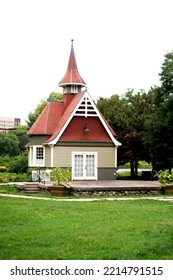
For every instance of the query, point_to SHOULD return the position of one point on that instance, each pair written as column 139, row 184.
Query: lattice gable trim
column 86, row 108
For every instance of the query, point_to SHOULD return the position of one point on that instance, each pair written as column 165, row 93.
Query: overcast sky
column 119, row 44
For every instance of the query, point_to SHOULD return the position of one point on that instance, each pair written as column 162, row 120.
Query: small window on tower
column 74, row 89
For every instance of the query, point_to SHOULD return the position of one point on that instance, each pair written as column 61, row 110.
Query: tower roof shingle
column 72, row 76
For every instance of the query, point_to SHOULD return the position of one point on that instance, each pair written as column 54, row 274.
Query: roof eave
column 72, row 83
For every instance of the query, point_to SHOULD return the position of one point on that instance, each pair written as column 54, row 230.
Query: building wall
column 107, row 173
column 106, row 155
column 8, row 124
column 61, row 156
column 38, row 140
column 47, row 156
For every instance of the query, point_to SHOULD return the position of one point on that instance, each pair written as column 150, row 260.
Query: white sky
column 118, row 44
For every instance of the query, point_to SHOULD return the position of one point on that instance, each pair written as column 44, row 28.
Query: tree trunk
column 132, row 171
column 136, row 168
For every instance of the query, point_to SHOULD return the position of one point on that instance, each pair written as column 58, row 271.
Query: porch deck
column 114, row 187
column 103, row 187
column 115, row 184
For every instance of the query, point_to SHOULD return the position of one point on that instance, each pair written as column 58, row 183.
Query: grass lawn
column 32, row 229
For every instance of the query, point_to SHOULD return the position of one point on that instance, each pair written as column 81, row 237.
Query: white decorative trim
column 51, row 155
column 116, row 157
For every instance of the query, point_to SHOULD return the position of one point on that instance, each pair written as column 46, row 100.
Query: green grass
column 141, row 164
column 32, row 229
column 9, row 189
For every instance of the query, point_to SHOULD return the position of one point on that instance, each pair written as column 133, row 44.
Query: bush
column 20, row 163
column 5, row 160
column 61, row 176
column 3, row 168
column 165, row 177
column 4, row 179
column 14, row 178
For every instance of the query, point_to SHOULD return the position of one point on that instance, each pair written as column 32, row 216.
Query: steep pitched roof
column 72, row 75
column 61, row 125
column 47, row 120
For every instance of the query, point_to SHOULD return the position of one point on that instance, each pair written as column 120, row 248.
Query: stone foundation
column 116, row 193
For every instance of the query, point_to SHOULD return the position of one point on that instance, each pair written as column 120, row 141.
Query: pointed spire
column 72, row 76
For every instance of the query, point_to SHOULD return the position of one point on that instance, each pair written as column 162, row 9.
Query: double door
column 84, row 166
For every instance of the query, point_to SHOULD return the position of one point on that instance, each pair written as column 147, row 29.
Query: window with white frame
column 36, row 156
column 39, row 156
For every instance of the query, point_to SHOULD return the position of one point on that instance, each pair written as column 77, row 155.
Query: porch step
column 31, row 188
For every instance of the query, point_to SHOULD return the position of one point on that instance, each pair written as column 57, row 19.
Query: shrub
column 5, row 160
column 61, row 176
column 20, row 163
column 4, row 179
column 14, row 178
column 165, row 177
column 18, row 177
column 3, row 168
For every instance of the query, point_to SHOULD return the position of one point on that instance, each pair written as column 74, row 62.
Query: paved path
column 169, row 199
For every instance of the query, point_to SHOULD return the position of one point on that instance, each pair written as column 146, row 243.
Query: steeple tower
column 72, row 81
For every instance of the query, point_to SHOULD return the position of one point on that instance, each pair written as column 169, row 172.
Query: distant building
column 8, row 124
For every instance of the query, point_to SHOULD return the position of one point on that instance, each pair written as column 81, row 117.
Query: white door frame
column 84, row 155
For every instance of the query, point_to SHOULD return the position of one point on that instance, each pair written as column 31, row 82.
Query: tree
column 127, row 116
column 166, row 75
column 114, row 111
column 9, row 145
column 53, row 96
column 23, row 138
column 159, row 134
column 139, row 107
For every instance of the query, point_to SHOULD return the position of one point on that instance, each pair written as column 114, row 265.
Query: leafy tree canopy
column 23, row 138
column 159, row 136
column 9, row 145
column 166, row 74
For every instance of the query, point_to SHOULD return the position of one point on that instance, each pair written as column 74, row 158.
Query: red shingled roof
column 72, row 75
column 67, row 113
column 56, row 115
column 48, row 119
